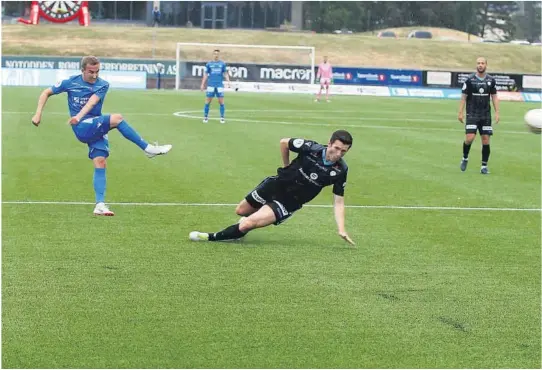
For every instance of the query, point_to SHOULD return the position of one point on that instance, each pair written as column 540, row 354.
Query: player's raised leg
column 118, row 122
column 327, row 91
column 265, row 216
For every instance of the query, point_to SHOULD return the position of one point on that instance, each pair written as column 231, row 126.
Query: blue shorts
column 99, row 148
column 93, row 132
column 214, row 91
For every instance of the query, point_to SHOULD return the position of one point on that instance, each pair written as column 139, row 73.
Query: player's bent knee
column 116, row 118
column 240, row 210
column 244, row 209
column 99, row 162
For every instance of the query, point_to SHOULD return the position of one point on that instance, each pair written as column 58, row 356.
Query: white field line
column 196, row 114
column 180, row 204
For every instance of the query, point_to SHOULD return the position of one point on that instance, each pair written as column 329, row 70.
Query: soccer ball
column 533, row 120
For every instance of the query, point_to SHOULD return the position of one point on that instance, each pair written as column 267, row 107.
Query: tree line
column 514, row 20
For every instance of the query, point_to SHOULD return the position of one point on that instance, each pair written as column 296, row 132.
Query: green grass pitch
column 445, row 274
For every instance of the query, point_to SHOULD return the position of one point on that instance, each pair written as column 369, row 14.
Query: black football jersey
column 479, row 93
column 308, row 174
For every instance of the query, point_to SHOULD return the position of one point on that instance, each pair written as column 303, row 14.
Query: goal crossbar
column 247, row 46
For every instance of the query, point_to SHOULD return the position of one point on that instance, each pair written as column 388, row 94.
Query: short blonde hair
column 89, row 60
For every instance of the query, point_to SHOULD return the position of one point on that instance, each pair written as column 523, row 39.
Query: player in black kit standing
column 276, row 198
column 476, row 92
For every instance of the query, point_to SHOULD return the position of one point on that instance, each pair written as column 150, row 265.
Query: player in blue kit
column 215, row 72
column 86, row 94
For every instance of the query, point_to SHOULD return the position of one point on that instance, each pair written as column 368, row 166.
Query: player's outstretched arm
column 94, row 99
column 45, row 94
column 338, row 207
column 285, row 151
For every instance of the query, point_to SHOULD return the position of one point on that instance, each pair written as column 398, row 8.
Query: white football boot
column 196, row 236
column 102, row 210
column 153, row 150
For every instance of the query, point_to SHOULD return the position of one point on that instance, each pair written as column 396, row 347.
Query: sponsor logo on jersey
column 310, row 178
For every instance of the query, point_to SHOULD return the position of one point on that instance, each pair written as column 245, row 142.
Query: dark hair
column 216, row 50
column 343, row 136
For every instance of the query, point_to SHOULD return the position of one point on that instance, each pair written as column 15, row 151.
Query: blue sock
column 206, row 110
column 128, row 132
column 99, row 184
column 222, row 109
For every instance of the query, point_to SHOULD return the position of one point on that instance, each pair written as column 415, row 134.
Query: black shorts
column 268, row 192
column 481, row 125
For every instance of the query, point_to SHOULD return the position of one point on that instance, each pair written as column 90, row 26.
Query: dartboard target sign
column 59, row 12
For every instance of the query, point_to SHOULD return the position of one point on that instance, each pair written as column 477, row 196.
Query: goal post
column 246, row 64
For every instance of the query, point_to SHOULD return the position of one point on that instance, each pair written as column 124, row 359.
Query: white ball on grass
column 533, row 120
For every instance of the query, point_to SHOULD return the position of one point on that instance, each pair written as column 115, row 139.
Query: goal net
column 250, row 67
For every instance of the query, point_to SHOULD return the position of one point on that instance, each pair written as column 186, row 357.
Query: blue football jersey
column 79, row 92
column 215, row 71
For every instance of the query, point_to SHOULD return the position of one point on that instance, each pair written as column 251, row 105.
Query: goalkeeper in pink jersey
column 325, row 75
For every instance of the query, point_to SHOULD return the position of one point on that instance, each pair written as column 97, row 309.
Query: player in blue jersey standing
column 86, row 94
column 215, row 72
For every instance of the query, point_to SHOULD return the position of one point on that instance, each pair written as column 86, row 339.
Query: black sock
column 229, row 233
column 466, row 150
column 485, row 154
